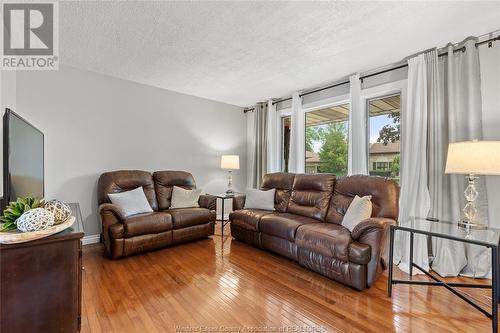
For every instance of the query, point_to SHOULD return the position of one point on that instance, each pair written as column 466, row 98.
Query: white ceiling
column 244, row 52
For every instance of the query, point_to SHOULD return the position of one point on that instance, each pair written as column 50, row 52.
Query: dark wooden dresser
column 41, row 282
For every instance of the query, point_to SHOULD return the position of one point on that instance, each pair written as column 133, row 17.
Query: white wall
column 95, row 123
column 490, row 93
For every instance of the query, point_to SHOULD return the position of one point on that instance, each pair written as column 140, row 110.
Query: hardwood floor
column 223, row 286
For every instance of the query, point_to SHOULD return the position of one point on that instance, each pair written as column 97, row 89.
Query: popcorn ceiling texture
column 243, row 52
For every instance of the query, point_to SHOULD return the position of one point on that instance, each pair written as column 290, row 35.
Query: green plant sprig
column 15, row 209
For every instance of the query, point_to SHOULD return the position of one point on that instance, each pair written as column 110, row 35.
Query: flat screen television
column 23, row 162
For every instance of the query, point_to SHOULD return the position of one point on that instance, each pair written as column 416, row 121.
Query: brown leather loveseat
column 306, row 225
column 124, row 236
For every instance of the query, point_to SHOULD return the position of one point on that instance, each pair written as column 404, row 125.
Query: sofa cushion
column 359, row 210
column 258, row 199
column 384, row 192
column 148, row 223
column 165, row 181
column 248, row 218
column 131, row 202
column 282, row 182
column 187, row 217
column 283, row 225
column 328, row 239
column 311, row 195
column 126, row 180
column 182, row 198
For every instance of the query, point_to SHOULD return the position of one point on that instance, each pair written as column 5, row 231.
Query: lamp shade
column 474, row 157
column 230, row 162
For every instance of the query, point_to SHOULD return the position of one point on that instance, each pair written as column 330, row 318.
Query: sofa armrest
column 239, row 202
column 208, row 201
column 374, row 232
column 114, row 209
column 112, row 225
column 373, row 224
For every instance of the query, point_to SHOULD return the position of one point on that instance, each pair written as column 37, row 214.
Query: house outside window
column 384, row 126
column 326, row 140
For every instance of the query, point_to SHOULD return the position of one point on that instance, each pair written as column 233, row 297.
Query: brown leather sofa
column 306, row 225
column 125, row 236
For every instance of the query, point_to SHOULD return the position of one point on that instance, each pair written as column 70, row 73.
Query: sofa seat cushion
column 328, row 239
column 283, row 225
column 248, row 218
column 147, row 223
column 188, row 217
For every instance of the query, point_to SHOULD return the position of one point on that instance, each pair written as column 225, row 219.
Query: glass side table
column 488, row 238
column 223, row 197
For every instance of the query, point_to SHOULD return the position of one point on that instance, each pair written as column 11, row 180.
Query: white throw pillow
column 360, row 209
column 257, row 199
column 131, row 202
column 182, row 198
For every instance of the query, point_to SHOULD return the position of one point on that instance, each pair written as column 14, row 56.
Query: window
column 326, row 140
column 286, row 123
column 384, row 136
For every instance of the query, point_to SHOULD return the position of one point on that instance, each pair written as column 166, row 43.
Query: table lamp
column 473, row 158
column 230, row 162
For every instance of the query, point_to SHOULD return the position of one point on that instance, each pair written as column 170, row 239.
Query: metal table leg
column 391, row 254
column 494, row 288
column 222, row 220
column 411, row 256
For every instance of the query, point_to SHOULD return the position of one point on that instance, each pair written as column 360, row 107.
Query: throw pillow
column 131, row 202
column 182, row 198
column 360, row 209
column 258, row 199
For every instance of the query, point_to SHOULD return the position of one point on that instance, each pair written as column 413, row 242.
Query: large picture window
column 384, row 136
column 326, row 140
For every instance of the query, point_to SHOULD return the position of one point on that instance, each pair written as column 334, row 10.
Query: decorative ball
column 35, row 219
column 60, row 210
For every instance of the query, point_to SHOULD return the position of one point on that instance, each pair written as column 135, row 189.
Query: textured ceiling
column 243, row 52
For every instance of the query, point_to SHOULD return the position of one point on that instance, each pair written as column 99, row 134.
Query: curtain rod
column 462, row 49
column 488, row 41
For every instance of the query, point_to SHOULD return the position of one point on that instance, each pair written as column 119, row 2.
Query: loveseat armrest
column 374, row 232
column 112, row 218
column 114, row 209
column 239, row 202
column 208, row 201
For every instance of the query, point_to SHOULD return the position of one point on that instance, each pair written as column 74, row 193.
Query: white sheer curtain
column 297, row 136
column 414, row 198
column 259, row 154
column 272, row 139
column 357, row 155
column 460, row 119
column 444, row 105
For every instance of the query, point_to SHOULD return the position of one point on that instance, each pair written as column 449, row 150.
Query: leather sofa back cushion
column 166, row 180
column 384, row 192
column 126, row 180
column 282, row 182
column 311, row 195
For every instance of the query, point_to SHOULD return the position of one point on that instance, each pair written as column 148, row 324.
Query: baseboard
column 91, row 239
